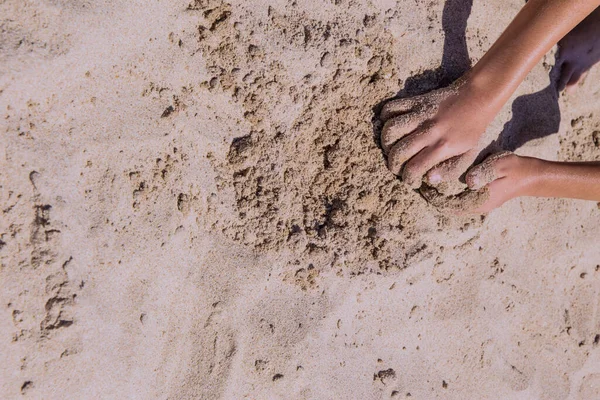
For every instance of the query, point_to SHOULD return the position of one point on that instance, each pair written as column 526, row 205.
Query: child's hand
column 433, row 135
column 504, row 176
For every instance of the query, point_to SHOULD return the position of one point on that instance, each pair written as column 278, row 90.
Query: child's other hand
column 505, row 176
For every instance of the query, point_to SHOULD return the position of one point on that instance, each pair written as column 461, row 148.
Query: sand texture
column 195, row 205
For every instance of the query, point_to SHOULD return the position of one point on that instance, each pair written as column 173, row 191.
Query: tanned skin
column 526, row 176
column 433, row 137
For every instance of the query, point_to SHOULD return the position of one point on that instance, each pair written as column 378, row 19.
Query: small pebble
column 326, row 60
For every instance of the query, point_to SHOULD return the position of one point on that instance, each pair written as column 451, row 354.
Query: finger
column 398, row 127
column 451, row 169
column 480, row 203
column 395, row 107
column 566, row 71
column 493, row 197
column 466, row 202
column 475, row 202
column 486, row 172
column 422, row 162
column 404, row 150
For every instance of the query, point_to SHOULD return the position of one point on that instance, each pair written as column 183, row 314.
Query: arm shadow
column 534, row 116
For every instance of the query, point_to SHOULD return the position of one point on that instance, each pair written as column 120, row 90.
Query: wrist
column 535, row 176
column 488, row 92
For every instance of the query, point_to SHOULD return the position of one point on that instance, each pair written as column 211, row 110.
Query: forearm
column 576, row 180
column 537, row 27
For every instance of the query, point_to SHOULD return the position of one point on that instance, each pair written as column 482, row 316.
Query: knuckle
column 504, row 164
column 395, row 154
column 443, row 145
column 432, row 127
column 500, row 168
column 411, row 172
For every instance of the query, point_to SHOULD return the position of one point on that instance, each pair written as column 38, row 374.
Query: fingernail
column 474, row 182
column 434, row 178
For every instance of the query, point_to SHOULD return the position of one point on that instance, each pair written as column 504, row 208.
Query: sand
column 195, row 206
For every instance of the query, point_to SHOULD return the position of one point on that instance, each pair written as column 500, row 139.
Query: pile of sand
column 195, row 205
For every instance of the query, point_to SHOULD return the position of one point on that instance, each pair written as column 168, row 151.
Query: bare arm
column 537, row 27
column 438, row 131
column 575, row 180
column 513, row 176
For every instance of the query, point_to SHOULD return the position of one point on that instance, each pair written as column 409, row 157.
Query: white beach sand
column 193, row 206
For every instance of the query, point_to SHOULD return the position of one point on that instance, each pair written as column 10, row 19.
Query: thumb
column 486, row 172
